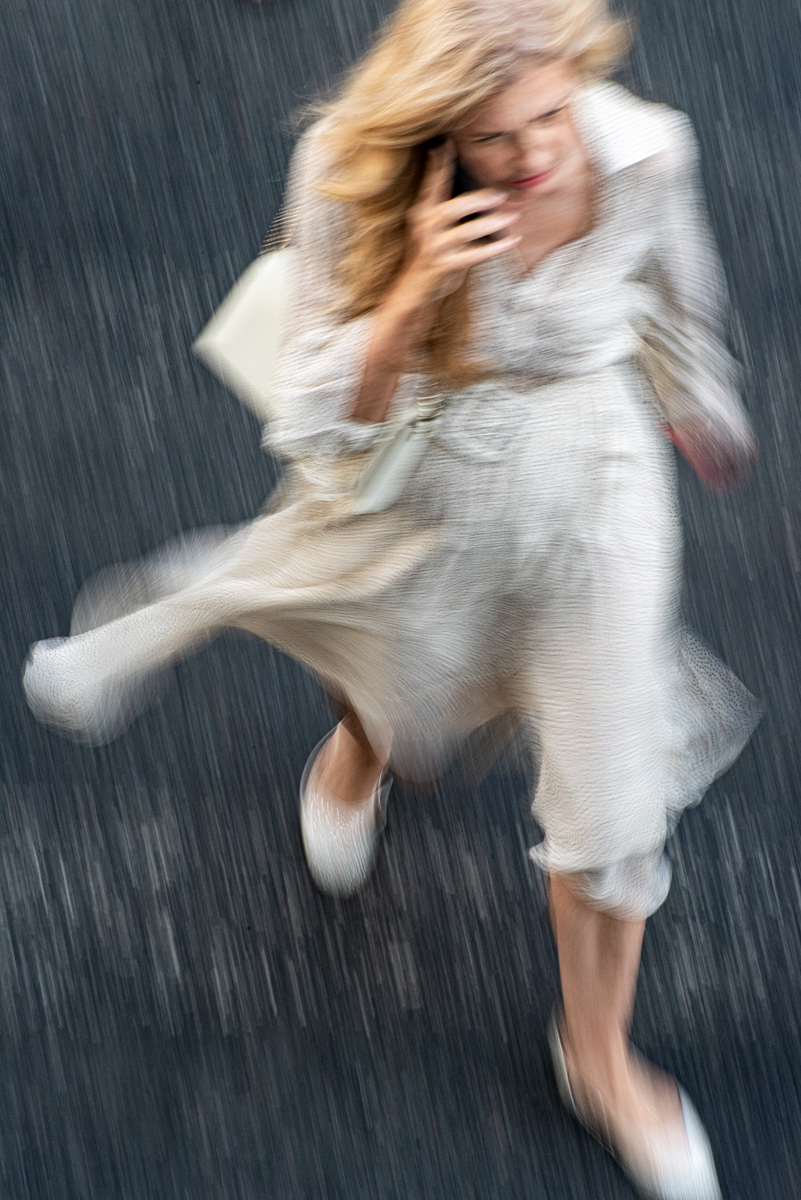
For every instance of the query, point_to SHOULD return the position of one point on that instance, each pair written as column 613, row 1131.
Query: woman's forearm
column 401, row 327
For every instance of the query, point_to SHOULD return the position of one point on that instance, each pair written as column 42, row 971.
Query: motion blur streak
column 181, row 1014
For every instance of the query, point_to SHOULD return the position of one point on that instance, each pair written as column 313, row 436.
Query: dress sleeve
column 323, row 359
column 695, row 379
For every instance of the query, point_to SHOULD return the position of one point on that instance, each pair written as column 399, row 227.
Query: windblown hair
column 435, row 63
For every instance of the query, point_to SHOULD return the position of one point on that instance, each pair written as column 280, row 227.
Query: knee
column 629, row 890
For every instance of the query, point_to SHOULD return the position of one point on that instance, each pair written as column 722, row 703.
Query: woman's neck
column 552, row 220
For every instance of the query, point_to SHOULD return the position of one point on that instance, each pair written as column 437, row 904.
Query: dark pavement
column 182, row 1016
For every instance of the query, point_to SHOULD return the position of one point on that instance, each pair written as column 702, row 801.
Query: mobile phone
column 463, row 182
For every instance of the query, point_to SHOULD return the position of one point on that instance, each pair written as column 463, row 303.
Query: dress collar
column 619, row 128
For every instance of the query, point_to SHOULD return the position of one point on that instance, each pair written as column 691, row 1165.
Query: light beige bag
column 241, row 345
column 242, row 342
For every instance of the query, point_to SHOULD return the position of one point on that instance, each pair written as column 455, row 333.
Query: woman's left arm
column 692, row 372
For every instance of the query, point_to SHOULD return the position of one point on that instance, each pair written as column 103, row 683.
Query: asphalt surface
column 181, row 1015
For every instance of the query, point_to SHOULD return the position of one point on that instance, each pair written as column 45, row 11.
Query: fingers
column 466, row 205
column 721, row 461
column 481, row 227
column 728, row 471
column 464, row 259
column 442, row 242
column 445, row 225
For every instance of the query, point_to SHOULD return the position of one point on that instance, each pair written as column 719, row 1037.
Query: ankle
column 349, row 772
column 595, row 1049
column 622, row 1089
column 357, row 752
column 601, row 1065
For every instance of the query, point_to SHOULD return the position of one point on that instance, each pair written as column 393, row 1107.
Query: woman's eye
column 490, row 137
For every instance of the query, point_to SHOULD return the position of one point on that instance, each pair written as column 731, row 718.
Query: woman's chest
column 579, row 290
column 546, row 228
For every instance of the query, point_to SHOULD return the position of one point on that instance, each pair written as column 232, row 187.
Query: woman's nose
column 529, row 146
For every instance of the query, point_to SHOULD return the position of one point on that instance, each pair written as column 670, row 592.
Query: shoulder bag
column 241, row 345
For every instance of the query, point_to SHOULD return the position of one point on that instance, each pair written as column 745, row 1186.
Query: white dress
column 532, row 566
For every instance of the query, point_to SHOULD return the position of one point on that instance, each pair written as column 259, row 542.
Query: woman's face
column 525, row 139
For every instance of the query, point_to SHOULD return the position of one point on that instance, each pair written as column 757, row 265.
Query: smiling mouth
column 532, row 180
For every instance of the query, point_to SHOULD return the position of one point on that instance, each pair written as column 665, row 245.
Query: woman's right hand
column 441, row 249
column 440, row 253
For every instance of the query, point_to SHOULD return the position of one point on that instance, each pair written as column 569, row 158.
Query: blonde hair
column 434, row 64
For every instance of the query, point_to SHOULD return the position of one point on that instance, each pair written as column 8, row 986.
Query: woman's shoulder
column 305, row 203
column 626, row 130
column 312, row 158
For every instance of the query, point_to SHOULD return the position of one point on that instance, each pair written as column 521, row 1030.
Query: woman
column 562, row 311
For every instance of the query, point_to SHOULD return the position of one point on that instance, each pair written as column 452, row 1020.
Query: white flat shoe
column 340, row 841
column 670, row 1162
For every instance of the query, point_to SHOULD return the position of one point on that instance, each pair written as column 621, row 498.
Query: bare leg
column 599, row 958
column 350, row 770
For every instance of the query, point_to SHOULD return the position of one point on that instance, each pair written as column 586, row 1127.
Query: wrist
column 409, row 297
column 404, row 320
